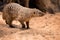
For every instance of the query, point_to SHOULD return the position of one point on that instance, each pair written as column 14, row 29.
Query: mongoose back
column 14, row 11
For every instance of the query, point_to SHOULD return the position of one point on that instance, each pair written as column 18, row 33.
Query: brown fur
column 14, row 11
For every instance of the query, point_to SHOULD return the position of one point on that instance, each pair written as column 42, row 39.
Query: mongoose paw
column 11, row 26
column 27, row 28
column 23, row 26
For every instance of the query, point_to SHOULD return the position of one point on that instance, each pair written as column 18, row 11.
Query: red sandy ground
column 46, row 27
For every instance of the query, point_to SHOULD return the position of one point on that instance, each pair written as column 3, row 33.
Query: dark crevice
column 32, row 4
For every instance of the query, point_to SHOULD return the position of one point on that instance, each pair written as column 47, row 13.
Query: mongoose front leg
column 9, row 22
column 27, row 23
column 23, row 25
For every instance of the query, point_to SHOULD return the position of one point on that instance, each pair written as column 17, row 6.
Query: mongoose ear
column 34, row 12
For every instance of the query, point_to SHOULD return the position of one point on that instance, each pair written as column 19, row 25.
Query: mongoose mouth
column 42, row 15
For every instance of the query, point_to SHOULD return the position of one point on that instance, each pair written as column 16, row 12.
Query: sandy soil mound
column 46, row 27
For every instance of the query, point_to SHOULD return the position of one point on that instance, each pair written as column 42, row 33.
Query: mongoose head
column 37, row 13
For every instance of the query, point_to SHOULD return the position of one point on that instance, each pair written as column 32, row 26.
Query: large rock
column 44, row 5
column 52, row 5
column 48, row 5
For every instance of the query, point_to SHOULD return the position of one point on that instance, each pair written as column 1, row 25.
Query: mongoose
column 14, row 11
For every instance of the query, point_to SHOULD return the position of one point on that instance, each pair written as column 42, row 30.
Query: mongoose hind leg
column 27, row 23
column 23, row 25
column 9, row 22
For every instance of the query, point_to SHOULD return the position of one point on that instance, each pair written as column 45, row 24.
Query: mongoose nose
column 42, row 14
